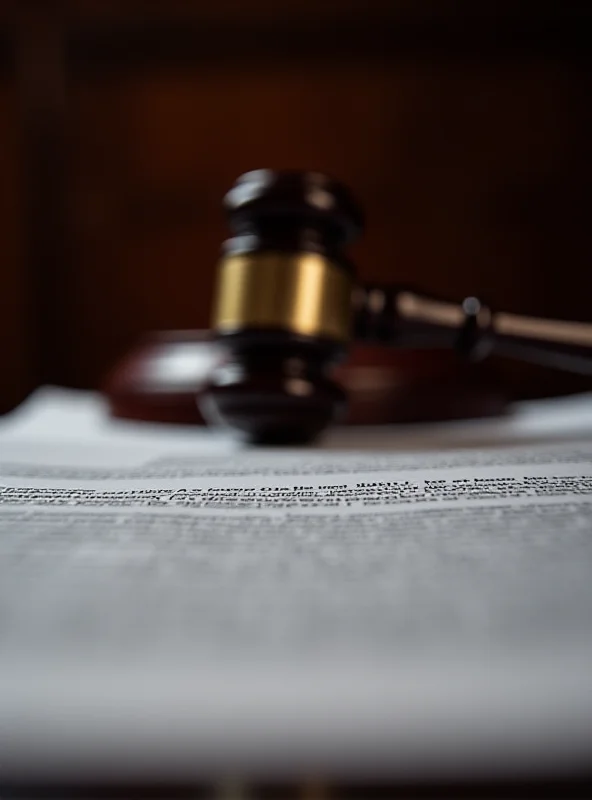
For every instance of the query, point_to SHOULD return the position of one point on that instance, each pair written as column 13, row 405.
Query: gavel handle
column 405, row 318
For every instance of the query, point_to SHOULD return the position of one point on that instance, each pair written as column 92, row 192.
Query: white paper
column 62, row 415
column 168, row 612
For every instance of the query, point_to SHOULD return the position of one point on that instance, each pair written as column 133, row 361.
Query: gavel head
column 283, row 306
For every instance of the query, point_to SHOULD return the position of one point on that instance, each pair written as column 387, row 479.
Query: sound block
column 160, row 379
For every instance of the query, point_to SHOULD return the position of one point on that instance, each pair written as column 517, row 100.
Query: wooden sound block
column 160, row 379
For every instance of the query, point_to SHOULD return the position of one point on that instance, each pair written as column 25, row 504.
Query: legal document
column 172, row 603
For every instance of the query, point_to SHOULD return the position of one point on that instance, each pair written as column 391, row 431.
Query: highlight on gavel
column 288, row 305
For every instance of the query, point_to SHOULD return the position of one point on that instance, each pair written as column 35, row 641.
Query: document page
column 267, row 595
column 173, row 605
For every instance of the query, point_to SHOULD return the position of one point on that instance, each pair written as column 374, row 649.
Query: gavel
column 287, row 306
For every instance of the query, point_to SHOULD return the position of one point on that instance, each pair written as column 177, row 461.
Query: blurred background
column 464, row 128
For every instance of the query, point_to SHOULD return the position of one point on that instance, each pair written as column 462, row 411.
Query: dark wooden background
column 464, row 128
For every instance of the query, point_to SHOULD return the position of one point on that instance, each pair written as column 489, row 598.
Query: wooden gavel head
column 283, row 306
